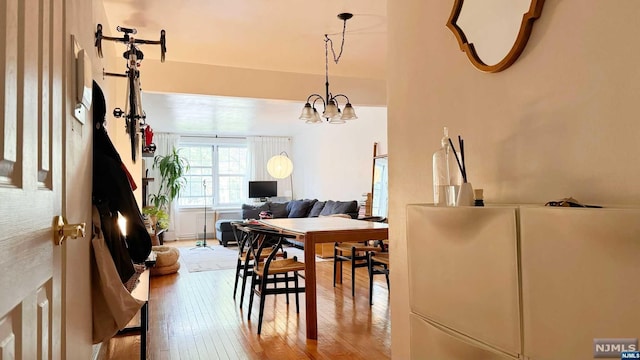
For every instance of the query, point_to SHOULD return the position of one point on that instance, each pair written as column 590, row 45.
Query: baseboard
column 196, row 236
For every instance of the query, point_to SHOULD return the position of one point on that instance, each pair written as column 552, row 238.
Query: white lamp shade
column 307, row 112
column 331, row 111
column 279, row 166
column 316, row 118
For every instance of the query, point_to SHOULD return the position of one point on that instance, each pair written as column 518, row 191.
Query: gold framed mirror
column 493, row 33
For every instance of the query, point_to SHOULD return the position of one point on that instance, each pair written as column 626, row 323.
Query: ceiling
column 274, row 35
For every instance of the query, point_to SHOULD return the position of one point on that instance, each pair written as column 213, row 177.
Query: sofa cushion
column 300, row 208
column 252, row 211
column 340, row 207
column 279, row 210
column 316, row 209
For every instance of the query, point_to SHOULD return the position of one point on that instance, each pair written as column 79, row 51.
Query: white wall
column 335, row 162
column 562, row 121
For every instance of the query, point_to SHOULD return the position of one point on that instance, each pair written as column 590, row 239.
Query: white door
column 31, row 159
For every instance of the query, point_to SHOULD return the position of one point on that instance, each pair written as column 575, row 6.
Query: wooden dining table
column 316, row 230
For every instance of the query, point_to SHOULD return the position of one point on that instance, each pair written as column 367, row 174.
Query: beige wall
column 189, row 78
column 80, row 18
column 560, row 122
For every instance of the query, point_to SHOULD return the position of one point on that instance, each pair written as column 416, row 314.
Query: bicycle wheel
column 132, row 125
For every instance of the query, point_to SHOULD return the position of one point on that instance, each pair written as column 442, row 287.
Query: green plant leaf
column 172, row 168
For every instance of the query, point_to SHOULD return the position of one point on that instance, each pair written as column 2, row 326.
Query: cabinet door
column 430, row 341
column 463, row 271
column 580, row 274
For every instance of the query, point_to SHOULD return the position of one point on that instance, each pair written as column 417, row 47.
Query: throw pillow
column 253, row 211
column 328, row 208
column 300, row 208
column 316, row 209
column 346, row 207
column 279, row 210
column 340, row 207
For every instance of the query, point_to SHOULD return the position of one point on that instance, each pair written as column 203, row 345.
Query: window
column 217, row 177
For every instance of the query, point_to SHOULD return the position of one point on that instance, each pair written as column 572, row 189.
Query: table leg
column 144, row 326
column 310, row 287
column 338, row 274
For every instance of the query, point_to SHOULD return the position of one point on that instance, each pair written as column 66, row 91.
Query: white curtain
column 261, row 149
column 164, row 146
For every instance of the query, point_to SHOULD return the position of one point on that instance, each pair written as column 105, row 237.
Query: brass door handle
column 63, row 230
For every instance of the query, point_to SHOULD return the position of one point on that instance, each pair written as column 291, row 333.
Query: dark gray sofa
column 290, row 209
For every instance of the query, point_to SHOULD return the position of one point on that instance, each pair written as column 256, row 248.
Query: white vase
column 465, row 195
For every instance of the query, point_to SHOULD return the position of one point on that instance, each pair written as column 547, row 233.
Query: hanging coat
column 113, row 193
column 113, row 306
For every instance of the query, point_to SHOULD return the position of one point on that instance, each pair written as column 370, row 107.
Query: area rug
column 197, row 259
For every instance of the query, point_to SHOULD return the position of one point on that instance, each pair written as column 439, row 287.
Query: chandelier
column 331, row 107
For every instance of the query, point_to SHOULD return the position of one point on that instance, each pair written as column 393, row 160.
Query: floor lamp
column 280, row 166
column 204, row 241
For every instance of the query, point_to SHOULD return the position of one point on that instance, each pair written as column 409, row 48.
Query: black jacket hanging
column 112, row 193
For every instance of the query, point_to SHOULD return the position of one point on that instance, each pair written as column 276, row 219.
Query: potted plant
column 172, row 168
column 159, row 217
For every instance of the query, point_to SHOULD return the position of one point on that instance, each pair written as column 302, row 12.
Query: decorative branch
column 457, row 160
column 464, row 165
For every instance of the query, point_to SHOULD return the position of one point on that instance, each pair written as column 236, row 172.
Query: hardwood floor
column 193, row 316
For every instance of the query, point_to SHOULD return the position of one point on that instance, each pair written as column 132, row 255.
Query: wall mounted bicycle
column 133, row 113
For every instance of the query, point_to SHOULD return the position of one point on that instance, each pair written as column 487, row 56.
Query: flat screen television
column 263, row 189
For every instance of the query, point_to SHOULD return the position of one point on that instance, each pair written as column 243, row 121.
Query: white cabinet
column 463, row 271
column 580, row 276
column 532, row 282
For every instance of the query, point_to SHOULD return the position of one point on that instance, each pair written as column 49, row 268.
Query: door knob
column 63, row 230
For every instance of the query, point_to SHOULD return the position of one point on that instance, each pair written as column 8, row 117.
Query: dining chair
column 354, row 253
column 378, row 263
column 245, row 238
column 266, row 272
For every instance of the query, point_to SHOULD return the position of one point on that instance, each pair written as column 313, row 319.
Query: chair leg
column 295, row 281
column 245, row 273
column 335, row 263
column 370, row 268
column 263, row 288
column 353, row 272
column 235, row 284
column 253, row 283
column 386, row 274
column 286, row 285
